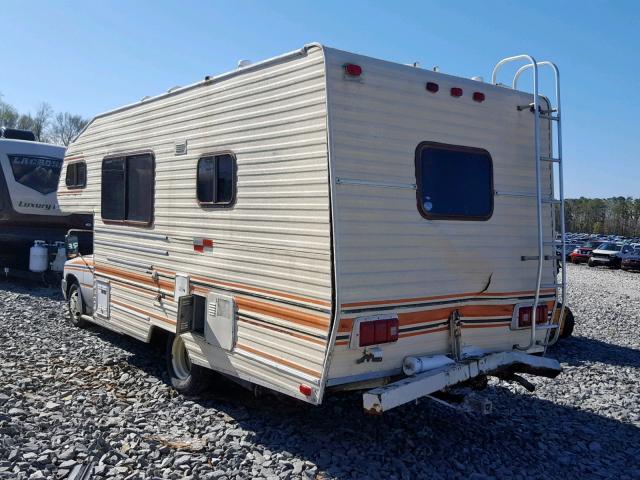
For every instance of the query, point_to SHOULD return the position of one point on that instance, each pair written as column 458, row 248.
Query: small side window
column 76, row 175
column 216, row 180
column 454, row 182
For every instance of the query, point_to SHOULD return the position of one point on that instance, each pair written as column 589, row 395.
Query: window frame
column 76, row 165
column 125, row 156
column 234, row 180
column 458, row 148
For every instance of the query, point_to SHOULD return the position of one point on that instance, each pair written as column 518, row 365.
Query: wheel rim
column 74, row 305
column 180, row 359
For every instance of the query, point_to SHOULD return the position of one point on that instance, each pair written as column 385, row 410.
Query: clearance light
column 478, row 96
column 378, row 331
column 432, row 87
column 353, row 70
column 305, row 390
column 525, row 315
column 456, row 92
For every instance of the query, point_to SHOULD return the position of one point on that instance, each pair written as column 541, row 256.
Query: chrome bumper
column 385, row 398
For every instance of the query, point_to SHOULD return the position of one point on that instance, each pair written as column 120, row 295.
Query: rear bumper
column 579, row 257
column 385, row 398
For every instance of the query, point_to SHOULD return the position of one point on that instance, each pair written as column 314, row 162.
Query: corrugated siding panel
column 385, row 249
column 274, row 242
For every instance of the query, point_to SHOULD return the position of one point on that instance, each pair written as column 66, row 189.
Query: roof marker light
column 478, row 96
column 352, row 69
column 456, row 92
column 432, row 87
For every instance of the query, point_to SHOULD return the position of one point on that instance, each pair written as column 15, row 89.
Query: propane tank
column 61, row 256
column 38, row 257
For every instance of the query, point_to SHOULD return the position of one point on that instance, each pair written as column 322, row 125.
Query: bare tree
column 66, row 127
column 41, row 121
column 8, row 115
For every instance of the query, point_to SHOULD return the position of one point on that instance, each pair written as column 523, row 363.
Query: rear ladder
column 553, row 115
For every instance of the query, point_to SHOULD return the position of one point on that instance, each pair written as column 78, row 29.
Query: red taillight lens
column 353, row 69
column 378, row 331
column 432, row 87
column 478, row 96
column 305, row 390
column 456, row 92
column 525, row 315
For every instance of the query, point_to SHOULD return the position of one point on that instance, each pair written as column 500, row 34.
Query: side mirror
column 78, row 243
column 72, row 246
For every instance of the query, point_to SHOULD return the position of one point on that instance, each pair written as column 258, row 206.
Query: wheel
column 566, row 329
column 590, row 263
column 74, row 302
column 185, row 377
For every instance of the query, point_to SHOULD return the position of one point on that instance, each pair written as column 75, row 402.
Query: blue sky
column 88, row 57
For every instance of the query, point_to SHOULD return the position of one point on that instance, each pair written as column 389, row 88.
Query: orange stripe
column 146, row 280
column 287, row 332
column 280, row 360
column 253, row 289
column 283, row 312
column 414, row 334
column 441, row 297
column 126, row 286
column 144, row 312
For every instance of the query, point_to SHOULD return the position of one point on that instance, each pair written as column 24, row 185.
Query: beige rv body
column 325, row 227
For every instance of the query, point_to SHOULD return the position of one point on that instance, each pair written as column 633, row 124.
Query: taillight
column 478, row 96
column 525, row 315
column 374, row 332
column 456, row 92
column 353, row 70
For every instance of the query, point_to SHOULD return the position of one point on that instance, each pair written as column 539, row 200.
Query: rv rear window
column 216, row 183
column 127, row 189
column 76, row 175
column 454, row 182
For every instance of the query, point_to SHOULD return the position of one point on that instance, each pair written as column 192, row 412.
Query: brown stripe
column 288, row 314
column 280, row 360
column 441, row 297
column 144, row 279
column 287, row 332
column 144, row 312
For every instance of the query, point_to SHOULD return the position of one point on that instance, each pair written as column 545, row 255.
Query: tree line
column 605, row 216
column 47, row 126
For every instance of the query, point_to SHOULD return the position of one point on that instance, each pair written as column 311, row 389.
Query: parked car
column 631, row 261
column 609, row 254
column 582, row 253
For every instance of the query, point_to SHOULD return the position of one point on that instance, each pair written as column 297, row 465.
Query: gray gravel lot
column 72, row 397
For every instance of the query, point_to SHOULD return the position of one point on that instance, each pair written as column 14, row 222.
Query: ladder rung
column 547, row 326
column 553, row 201
column 550, row 285
column 553, row 243
column 551, row 159
column 555, row 118
column 526, row 258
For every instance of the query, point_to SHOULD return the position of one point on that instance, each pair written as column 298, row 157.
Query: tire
column 590, row 263
column 75, row 306
column 186, row 378
column 568, row 323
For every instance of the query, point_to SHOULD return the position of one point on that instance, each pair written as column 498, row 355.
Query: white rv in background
column 32, row 227
column 324, row 220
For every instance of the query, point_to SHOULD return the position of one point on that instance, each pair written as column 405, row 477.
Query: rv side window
column 454, row 182
column 216, row 182
column 76, row 175
column 127, row 189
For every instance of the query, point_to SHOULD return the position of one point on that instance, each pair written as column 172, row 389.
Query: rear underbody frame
column 501, row 364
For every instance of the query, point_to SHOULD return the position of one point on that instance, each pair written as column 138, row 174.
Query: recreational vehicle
column 32, row 228
column 324, row 220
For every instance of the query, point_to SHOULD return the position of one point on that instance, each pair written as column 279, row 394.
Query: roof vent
column 243, row 63
column 477, row 78
column 17, row 134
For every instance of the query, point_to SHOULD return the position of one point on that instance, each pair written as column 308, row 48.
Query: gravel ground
column 72, row 397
